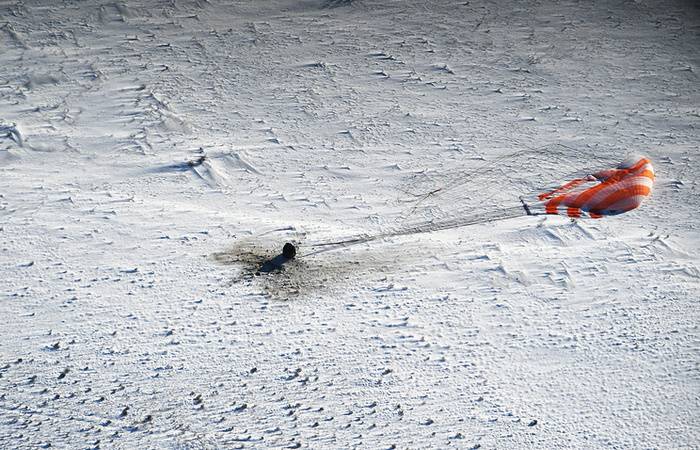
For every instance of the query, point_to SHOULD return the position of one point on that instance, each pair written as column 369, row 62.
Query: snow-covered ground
column 131, row 317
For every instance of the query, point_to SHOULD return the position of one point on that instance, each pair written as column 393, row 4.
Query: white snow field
column 154, row 153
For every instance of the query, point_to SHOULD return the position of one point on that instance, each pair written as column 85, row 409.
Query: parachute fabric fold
column 604, row 193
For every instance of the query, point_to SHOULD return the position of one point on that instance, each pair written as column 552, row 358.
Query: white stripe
column 626, row 204
column 623, row 184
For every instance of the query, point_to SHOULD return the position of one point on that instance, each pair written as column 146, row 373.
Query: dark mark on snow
column 291, row 274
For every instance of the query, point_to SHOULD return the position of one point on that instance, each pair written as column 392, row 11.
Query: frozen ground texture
column 128, row 318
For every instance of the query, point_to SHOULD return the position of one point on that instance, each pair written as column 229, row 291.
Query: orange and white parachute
column 604, row 193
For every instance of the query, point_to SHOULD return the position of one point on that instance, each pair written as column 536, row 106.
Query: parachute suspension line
column 417, row 228
column 463, row 178
column 457, row 186
column 487, row 193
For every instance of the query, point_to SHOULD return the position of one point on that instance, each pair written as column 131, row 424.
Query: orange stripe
column 637, row 189
column 638, row 165
column 649, row 174
column 571, row 184
column 581, row 199
column 573, row 212
column 552, row 206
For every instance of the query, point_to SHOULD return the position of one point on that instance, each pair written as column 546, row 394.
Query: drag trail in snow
column 155, row 155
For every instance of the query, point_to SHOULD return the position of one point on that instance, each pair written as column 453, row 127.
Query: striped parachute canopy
column 604, row 193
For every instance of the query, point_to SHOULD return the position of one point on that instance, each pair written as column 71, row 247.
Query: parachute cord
column 418, row 228
column 456, row 189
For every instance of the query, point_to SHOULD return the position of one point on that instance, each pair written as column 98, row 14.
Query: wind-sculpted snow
column 155, row 156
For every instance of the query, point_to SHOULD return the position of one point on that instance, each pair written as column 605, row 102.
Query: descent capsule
column 289, row 251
